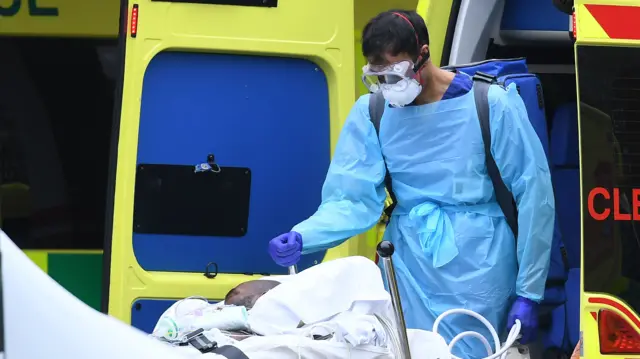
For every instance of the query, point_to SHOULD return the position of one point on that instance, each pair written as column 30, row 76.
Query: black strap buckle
column 230, row 352
column 198, row 340
column 484, row 77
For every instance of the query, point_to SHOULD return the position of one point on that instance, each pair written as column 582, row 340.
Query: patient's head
column 247, row 293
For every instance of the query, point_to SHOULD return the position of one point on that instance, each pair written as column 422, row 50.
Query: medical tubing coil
column 500, row 351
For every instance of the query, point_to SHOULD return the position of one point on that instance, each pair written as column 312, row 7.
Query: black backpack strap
column 376, row 109
column 481, row 84
column 230, row 352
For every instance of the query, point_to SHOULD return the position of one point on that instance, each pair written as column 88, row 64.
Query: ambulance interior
column 56, row 119
column 56, row 113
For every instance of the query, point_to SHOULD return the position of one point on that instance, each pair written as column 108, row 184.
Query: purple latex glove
column 286, row 249
column 526, row 311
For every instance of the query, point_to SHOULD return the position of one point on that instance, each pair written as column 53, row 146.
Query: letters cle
column 602, row 203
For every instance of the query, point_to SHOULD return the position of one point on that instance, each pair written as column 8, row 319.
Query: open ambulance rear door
column 608, row 78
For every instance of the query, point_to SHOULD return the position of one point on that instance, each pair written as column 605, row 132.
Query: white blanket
column 351, row 284
column 424, row 345
column 343, row 297
column 43, row 320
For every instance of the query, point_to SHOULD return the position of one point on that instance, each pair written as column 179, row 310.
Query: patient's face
column 247, row 293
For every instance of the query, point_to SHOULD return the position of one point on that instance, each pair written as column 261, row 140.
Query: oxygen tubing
column 500, row 350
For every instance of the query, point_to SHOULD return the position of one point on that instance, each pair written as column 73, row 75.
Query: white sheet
column 352, row 284
column 44, row 321
column 424, row 345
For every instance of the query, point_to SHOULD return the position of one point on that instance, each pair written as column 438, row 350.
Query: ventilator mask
column 399, row 82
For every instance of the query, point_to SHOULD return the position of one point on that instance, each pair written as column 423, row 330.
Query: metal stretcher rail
column 385, row 251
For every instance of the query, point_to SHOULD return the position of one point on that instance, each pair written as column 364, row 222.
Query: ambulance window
column 609, row 92
column 56, row 113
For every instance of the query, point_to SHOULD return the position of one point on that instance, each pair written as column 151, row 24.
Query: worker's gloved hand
column 286, row 249
column 526, row 311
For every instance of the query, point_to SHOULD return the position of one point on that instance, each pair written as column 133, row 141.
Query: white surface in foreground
column 44, row 321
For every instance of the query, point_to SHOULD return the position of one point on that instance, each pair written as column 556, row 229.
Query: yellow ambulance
column 237, row 85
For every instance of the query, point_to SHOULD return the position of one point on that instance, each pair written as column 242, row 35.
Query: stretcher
column 43, row 320
column 509, row 349
column 405, row 347
column 403, row 343
column 400, row 343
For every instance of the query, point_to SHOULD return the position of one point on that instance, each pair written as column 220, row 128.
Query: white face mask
column 402, row 92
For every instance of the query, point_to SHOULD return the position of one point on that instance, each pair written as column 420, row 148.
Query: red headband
column 410, row 24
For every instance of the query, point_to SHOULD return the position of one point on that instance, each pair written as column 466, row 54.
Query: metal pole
column 293, row 269
column 385, row 252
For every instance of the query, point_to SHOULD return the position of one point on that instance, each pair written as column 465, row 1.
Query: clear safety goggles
column 377, row 77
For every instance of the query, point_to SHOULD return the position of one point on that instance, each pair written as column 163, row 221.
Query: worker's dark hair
column 390, row 33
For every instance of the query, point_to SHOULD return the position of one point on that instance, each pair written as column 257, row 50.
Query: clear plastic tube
column 500, row 350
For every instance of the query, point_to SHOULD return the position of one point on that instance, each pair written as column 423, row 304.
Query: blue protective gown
column 454, row 248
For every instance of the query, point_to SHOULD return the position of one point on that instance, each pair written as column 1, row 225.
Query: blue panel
column 269, row 114
column 566, row 183
column 564, row 136
column 555, row 335
column 573, row 306
column 539, row 15
column 146, row 312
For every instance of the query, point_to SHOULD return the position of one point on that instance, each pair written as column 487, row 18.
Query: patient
column 246, row 294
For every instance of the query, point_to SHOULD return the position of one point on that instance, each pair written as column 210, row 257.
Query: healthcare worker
column 454, row 248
